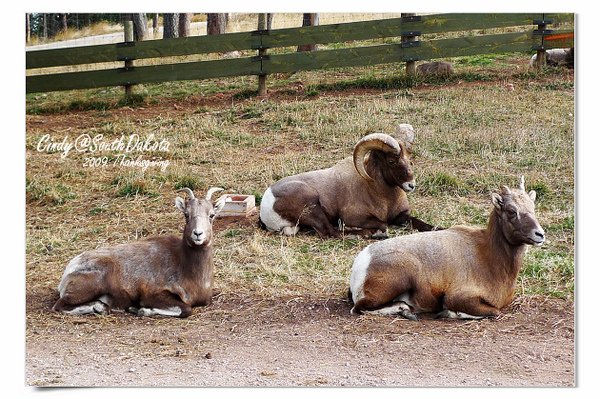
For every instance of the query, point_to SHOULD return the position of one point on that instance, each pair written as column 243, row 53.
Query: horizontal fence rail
column 535, row 36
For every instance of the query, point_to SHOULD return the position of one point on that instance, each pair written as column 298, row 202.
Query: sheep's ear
column 180, row 204
column 532, row 195
column 405, row 132
column 497, row 201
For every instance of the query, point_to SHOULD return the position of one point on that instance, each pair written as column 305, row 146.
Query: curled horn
column 522, row 183
column 189, row 192
column 211, row 191
column 505, row 190
column 374, row 141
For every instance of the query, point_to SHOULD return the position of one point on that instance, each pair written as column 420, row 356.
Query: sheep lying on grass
column 164, row 275
column 557, row 57
column 462, row 272
column 363, row 193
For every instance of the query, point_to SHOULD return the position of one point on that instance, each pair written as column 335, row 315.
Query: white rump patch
column 271, row 219
column 172, row 311
column 72, row 266
column 358, row 275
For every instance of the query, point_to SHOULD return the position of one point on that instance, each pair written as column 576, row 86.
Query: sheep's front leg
column 467, row 307
column 163, row 304
column 404, row 219
column 450, row 314
column 94, row 307
column 396, row 308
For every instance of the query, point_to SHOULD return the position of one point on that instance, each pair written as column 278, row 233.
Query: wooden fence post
column 128, row 63
column 540, row 59
column 262, row 52
column 411, row 66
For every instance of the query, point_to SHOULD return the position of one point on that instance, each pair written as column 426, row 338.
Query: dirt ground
column 300, row 342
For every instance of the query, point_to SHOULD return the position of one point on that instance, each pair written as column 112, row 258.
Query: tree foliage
column 48, row 25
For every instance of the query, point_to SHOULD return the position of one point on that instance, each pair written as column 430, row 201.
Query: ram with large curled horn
column 362, row 194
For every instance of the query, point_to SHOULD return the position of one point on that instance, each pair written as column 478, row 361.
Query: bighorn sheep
column 439, row 68
column 163, row 275
column 461, row 272
column 557, row 57
column 364, row 193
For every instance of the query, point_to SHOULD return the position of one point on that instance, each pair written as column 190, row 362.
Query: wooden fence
column 533, row 32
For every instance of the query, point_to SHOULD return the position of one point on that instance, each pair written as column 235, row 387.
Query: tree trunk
column 309, row 20
column 27, row 28
column 170, row 26
column 63, row 18
column 185, row 19
column 154, row 22
column 216, row 24
column 140, row 27
column 45, row 26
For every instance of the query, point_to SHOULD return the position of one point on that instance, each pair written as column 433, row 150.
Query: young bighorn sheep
column 364, row 193
column 164, row 275
column 462, row 272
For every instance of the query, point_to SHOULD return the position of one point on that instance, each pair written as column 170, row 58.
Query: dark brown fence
column 533, row 32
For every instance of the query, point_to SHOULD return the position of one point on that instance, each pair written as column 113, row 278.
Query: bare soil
column 247, row 342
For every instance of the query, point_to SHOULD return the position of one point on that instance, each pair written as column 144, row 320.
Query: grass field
column 473, row 135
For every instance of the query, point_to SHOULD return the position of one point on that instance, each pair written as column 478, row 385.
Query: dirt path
column 300, row 342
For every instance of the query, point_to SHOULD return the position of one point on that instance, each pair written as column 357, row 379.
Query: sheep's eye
column 512, row 213
column 211, row 216
column 391, row 161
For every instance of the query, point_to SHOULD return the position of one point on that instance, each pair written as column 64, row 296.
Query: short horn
column 522, row 183
column 189, row 192
column 373, row 142
column 211, row 191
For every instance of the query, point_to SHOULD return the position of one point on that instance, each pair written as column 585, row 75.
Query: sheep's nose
column 408, row 186
column 539, row 234
column 198, row 233
column 539, row 237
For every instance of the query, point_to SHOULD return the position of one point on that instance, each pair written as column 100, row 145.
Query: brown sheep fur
column 461, row 272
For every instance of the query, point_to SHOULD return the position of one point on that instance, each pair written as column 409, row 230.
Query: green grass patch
column 542, row 191
column 97, row 210
column 183, row 181
column 132, row 186
column 47, row 193
column 548, row 272
column 441, row 183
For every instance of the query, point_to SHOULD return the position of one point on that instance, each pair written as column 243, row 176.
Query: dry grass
column 98, row 28
column 471, row 138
